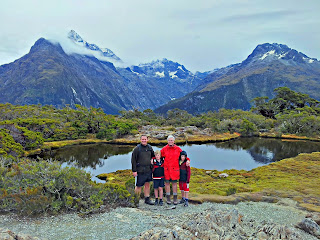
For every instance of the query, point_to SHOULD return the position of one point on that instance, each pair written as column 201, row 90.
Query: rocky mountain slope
column 170, row 79
column 48, row 75
column 269, row 66
column 77, row 39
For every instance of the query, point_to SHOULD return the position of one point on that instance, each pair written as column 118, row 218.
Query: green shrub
column 231, row 191
column 34, row 187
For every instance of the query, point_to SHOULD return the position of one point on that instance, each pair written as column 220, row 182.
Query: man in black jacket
column 142, row 168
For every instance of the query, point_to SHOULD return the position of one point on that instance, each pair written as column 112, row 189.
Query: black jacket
column 141, row 157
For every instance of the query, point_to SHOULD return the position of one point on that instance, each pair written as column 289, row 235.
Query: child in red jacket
column 158, row 177
column 184, row 178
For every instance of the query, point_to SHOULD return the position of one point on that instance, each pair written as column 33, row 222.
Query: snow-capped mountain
column 269, row 52
column 163, row 69
column 76, row 38
column 171, row 79
column 269, row 66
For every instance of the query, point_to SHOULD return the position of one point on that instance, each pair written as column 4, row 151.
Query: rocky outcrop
column 162, row 133
column 221, row 224
column 310, row 226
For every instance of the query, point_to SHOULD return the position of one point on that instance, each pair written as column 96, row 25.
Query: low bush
column 31, row 187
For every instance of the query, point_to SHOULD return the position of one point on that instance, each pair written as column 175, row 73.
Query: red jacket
column 171, row 156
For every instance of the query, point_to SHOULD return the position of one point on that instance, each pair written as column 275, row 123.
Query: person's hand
column 187, row 185
column 134, row 174
column 151, row 161
column 188, row 163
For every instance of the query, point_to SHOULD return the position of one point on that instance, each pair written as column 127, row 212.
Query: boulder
column 310, row 226
column 223, row 175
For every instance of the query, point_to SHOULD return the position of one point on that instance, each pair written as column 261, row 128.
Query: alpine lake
column 242, row 153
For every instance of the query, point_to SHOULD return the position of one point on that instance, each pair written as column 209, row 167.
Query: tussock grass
column 296, row 178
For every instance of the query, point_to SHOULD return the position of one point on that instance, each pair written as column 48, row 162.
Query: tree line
column 27, row 127
column 34, row 187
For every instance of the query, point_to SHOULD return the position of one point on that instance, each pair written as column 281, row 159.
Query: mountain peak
column 77, row 39
column 269, row 52
column 44, row 44
column 75, row 36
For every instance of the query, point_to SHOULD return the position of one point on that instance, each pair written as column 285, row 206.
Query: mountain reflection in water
column 267, row 150
column 243, row 153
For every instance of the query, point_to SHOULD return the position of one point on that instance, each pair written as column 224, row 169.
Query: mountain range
column 269, row 66
column 49, row 74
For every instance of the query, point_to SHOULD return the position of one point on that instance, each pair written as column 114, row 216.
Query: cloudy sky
column 202, row 35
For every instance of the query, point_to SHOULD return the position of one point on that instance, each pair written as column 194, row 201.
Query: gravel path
column 124, row 223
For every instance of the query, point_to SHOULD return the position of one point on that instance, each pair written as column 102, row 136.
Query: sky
column 201, row 35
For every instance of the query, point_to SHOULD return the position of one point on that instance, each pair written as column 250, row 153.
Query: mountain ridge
column 48, row 75
column 269, row 66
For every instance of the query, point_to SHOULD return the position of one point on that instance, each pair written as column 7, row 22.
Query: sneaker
column 156, row 202
column 186, row 204
column 181, row 201
column 169, row 200
column 160, row 202
column 147, row 201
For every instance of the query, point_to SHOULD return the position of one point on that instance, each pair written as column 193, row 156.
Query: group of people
column 169, row 165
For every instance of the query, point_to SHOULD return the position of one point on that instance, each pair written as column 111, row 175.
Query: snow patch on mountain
column 180, row 67
column 267, row 54
column 173, row 74
column 279, row 51
column 159, row 74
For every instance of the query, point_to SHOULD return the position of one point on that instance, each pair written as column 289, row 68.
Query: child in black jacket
column 158, row 178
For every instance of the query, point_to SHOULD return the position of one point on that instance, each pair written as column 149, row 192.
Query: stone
column 223, row 175
column 310, row 226
column 262, row 236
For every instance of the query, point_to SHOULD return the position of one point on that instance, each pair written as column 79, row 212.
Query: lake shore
column 158, row 135
column 296, row 178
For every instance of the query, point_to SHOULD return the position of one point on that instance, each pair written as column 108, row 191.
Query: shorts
column 171, row 181
column 184, row 186
column 171, row 174
column 158, row 183
column 142, row 178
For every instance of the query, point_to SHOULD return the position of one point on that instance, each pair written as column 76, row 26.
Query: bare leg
column 182, row 194
column 167, row 187
column 174, row 187
column 160, row 192
column 186, row 195
column 156, row 192
column 147, row 189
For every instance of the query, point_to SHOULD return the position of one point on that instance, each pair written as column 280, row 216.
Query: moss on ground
column 289, row 136
column 296, row 178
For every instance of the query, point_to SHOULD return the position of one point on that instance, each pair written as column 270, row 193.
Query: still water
column 243, row 153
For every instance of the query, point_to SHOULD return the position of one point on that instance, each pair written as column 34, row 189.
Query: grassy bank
column 296, row 178
column 289, row 136
column 134, row 140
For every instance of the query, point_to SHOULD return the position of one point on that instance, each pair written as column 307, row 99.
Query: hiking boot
column 186, row 203
column 169, row 200
column 181, row 201
column 160, row 202
column 175, row 199
column 147, row 201
column 156, row 202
